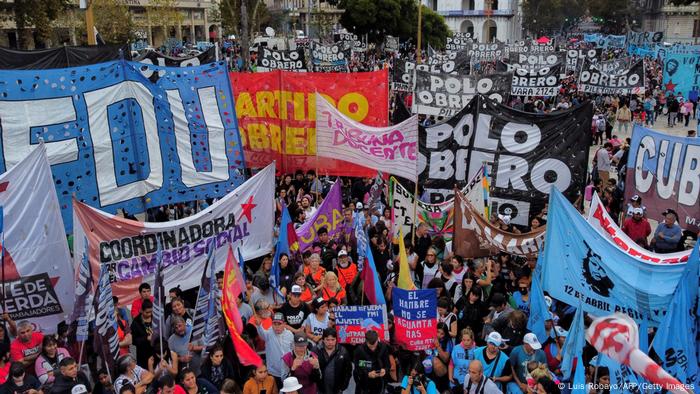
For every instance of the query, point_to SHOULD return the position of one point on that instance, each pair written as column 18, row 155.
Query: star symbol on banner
column 247, row 210
column 670, row 86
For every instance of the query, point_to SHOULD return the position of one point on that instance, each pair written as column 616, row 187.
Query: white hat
column 290, row 384
column 79, row 389
column 342, row 253
column 531, row 339
column 505, row 219
column 359, row 205
column 638, row 210
column 560, row 331
column 496, row 339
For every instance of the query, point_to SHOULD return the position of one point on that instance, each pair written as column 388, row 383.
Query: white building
column 487, row 20
column 679, row 24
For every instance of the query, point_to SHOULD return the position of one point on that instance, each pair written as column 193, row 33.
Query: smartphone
column 263, row 391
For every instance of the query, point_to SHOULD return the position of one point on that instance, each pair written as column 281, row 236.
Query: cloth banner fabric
column 580, row 265
column 540, row 82
column 128, row 249
column 446, row 94
column 415, row 318
column 61, row 57
column 330, row 215
column 600, row 220
column 391, row 44
column 681, row 74
column 458, row 41
column 535, row 61
column 606, row 41
column 161, row 59
column 451, row 63
column 614, row 66
column 487, row 52
column 530, row 47
column 438, row 217
column 125, row 134
column 330, row 58
column 630, row 81
column 575, row 58
column 271, row 59
column 475, row 236
column 665, row 171
column 527, row 153
column 277, row 115
column 38, row 272
column 353, row 321
column 392, row 149
column 645, row 38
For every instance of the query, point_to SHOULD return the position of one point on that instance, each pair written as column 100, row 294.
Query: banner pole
column 415, row 209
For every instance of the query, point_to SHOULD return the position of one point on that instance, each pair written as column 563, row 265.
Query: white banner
column 128, row 248
column 38, row 274
column 393, row 149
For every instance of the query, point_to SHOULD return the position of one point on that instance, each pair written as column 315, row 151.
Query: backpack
column 601, row 124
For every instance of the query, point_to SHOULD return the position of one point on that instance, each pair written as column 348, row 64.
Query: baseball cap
column 79, row 389
column 560, row 331
column 531, row 339
column 359, row 205
column 296, row 289
column 496, row 339
column 278, row 317
column 342, row 253
column 300, row 340
column 639, row 211
column 318, row 302
column 635, row 197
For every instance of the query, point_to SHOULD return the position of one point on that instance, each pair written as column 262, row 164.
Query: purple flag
column 329, row 215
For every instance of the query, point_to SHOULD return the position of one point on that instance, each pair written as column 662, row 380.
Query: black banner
column 540, row 82
column 446, row 94
column 161, row 59
column 61, row 57
column 270, row 59
column 450, row 63
column 487, row 52
column 330, row 58
column 614, row 66
column 535, row 61
column 529, row 47
column 30, row 296
column 458, row 42
column 528, row 154
column 575, row 57
column 630, row 81
column 645, row 38
column 391, row 44
column 352, row 41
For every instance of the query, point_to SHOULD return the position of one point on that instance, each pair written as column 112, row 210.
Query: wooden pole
column 90, row 24
column 420, row 17
column 415, row 210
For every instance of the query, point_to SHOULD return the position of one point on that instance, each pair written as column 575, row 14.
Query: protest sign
column 125, row 134
column 527, row 154
column 451, row 63
column 614, row 66
column 681, row 74
column 487, row 52
column 161, row 59
column 580, row 266
column 630, row 81
column 353, row 321
column 415, row 318
column 475, row 236
column 458, row 41
column 438, row 217
column 129, row 249
column 606, row 41
column 446, row 94
column 37, row 271
column 645, row 38
column 575, row 58
column 391, row 44
column 329, row 215
column 271, row 59
column 277, row 115
column 663, row 169
column 392, row 149
column 330, row 58
column 540, row 82
column 535, row 61
column 61, row 57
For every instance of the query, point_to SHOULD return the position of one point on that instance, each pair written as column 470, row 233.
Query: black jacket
column 339, row 366
column 366, row 361
column 64, row 385
column 227, row 370
column 144, row 348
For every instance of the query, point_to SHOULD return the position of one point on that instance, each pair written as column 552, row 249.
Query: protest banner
column 645, row 38
column 451, row 63
column 575, row 58
column 526, row 153
column 540, row 82
column 129, row 249
column 391, row 44
column 535, row 61
column 438, row 217
column 601, row 221
column 446, row 94
column 330, row 58
column 614, row 66
column 475, row 236
column 271, row 59
column 458, row 41
column 415, row 318
column 663, row 169
column 353, row 321
column 125, row 134
column 392, row 149
column 579, row 265
column 163, row 60
column 329, row 215
column 61, row 57
column 606, row 41
column 277, row 115
column 352, row 41
column 487, row 52
column 37, row 270
column 681, row 74
column 630, row 81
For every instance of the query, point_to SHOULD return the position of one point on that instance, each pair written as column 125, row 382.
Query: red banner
column 277, row 115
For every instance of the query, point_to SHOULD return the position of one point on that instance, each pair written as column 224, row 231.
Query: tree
column 37, row 14
column 243, row 18
column 113, row 21
column 547, row 16
column 615, row 15
column 399, row 18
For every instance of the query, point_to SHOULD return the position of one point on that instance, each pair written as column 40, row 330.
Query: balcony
column 475, row 13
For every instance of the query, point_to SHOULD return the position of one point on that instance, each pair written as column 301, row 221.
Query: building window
column 494, row 4
column 696, row 28
column 468, row 5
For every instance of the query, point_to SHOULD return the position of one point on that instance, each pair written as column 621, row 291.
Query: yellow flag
column 404, row 281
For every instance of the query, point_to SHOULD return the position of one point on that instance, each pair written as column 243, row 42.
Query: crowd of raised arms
column 482, row 343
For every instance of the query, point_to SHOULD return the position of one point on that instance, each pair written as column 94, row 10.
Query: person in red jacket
column 637, row 227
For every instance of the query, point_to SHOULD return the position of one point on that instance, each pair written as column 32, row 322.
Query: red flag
column 231, row 290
